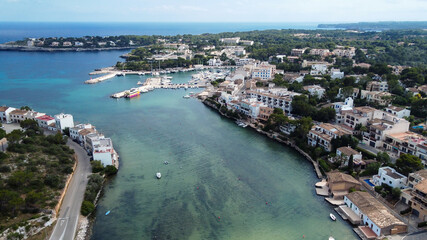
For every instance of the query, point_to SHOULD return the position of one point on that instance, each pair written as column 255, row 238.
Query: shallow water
column 223, row 182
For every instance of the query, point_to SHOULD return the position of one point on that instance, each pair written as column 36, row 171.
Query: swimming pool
column 369, row 182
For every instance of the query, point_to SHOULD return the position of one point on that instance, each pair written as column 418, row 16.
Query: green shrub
column 324, row 165
column 110, row 170
column 87, row 208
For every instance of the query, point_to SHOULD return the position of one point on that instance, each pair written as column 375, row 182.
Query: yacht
column 133, row 92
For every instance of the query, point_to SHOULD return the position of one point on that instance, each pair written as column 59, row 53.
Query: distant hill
column 377, row 26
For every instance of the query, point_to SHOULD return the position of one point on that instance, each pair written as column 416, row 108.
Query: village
column 360, row 147
column 95, row 143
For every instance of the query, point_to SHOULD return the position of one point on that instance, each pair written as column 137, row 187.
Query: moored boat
column 133, row 92
column 332, row 216
column 158, row 175
column 186, row 96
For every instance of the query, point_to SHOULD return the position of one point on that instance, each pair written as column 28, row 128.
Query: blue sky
column 212, row 11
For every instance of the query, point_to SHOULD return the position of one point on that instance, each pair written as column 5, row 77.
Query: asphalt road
column 66, row 224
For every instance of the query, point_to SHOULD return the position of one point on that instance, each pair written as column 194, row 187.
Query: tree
column 29, row 124
column 26, row 108
column 223, row 57
column 97, row 166
column 2, row 133
column 383, row 157
column 110, row 170
column 419, row 108
column 350, row 164
column 395, row 193
column 408, row 163
column 15, row 136
column 87, row 208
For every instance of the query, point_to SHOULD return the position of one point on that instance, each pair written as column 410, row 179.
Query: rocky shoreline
column 18, row 48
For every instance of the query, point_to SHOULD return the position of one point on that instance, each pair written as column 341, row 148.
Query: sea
column 222, row 181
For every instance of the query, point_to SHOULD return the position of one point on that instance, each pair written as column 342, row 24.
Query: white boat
column 186, row 96
column 158, row 175
column 331, row 238
column 332, row 216
column 139, row 83
column 241, row 124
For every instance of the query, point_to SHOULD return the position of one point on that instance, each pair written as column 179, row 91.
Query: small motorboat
column 186, row 96
column 331, row 238
column 332, row 216
column 166, row 162
column 158, row 175
column 108, row 212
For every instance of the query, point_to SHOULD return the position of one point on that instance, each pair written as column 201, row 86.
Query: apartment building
column 297, row 52
column 360, row 115
column 378, row 128
column 63, row 121
column 398, row 111
column 315, row 90
column 419, row 200
column 264, row 71
column 323, row 134
column 5, row 114
column 404, row 143
column 381, row 98
column 320, row 52
column 274, row 98
column 377, row 86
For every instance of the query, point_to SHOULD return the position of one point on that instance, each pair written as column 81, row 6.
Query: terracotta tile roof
column 3, row 109
column 334, row 177
column 348, row 151
column 374, row 209
column 422, row 186
column 18, row 112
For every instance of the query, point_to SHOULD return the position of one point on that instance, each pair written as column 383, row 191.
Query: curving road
column 68, row 217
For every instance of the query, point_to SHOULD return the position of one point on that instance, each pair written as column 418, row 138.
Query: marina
column 111, row 72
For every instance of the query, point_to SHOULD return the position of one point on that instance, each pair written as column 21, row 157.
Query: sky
column 318, row 11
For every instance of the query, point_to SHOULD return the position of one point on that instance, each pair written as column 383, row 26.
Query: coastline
column 17, row 48
column 274, row 137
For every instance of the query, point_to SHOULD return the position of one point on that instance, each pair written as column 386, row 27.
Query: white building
column 63, row 121
column 103, row 151
column 323, row 134
column 379, row 128
column 239, row 51
column 373, row 214
column 398, row 111
column 5, row 114
column 215, row 62
column 264, row 71
column 78, row 44
column 45, row 120
column 315, row 90
column 336, row 73
column 389, row 176
column 247, row 42
column 235, row 40
column 274, row 98
column 74, row 131
column 318, row 69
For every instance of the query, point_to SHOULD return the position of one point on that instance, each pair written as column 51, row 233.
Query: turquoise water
column 219, row 178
